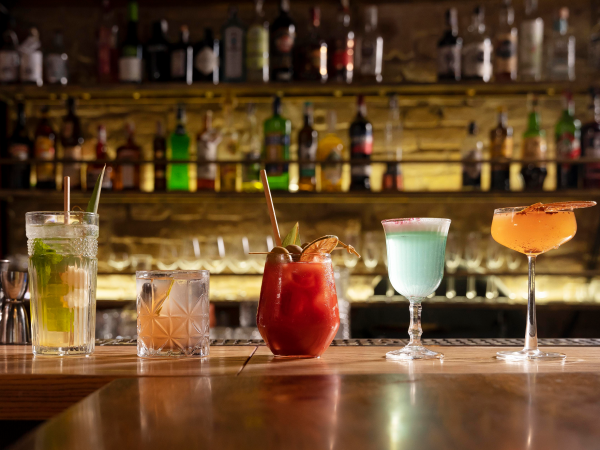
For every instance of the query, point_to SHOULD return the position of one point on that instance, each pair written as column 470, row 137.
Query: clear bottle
column 282, row 39
column 206, row 58
column 561, row 49
column 531, row 43
column 44, row 148
column 392, row 178
column 9, row 54
column 312, row 52
column 157, row 57
column 361, row 147
column 71, row 139
column 567, row 133
column 250, row 145
column 330, row 154
column 95, row 169
column 206, row 150
column 229, row 150
column 277, row 135
column 56, row 61
column 590, row 142
column 234, row 48
column 257, row 46
column 182, row 58
column 127, row 176
column 534, row 149
column 501, row 150
column 178, row 177
column 472, row 154
column 107, row 57
column 31, row 56
column 130, row 59
column 371, row 48
column 343, row 46
column 505, row 45
column 308, row 139
column 477, row 49
column 159, row 150
column 450, row 49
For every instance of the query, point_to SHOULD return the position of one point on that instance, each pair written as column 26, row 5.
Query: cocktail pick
column 67, row 193
column 271, row 208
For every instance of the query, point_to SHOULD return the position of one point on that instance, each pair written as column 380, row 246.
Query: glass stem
column 531, row 342
column 415, row 331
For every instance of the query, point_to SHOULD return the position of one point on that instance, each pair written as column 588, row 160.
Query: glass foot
column 409, row 353
column 532, row 355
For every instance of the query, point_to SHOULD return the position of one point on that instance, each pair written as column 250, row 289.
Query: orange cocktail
column 535, row 232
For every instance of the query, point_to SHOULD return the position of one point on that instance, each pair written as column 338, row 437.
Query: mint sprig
column 42, row 259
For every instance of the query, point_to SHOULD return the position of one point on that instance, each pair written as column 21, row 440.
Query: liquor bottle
column 108, row 41
column 95, row 169
column 450, row 49
column 257, row 46
column 330, row 153
column 159, row 149
column 44, row 148
column 228, row 149
column 9, row 54
column 477, row 49
column 234, row 47
column 19, row 149
column 505, row 60
column 594, row 45
column 343, row 44
column 472, row 154
column 312, row 52
column 130, row 61
column 392, row 178
column 308, row 139
column 182, row 58
column 30, row 52
column 533, row 150
column 127, row 176
column 250, row 145
column 371, row 48
column 531, row 43
column 56, row 61
column 277, row 131
column 206, row 146
column 206, row 58
column 282, row 37
column 568, row 144
column 590, row 143
column 71, row 139
column 561, row 50
column 501, row 150
column 158, row 62
column 361, row 147
column 178, row 178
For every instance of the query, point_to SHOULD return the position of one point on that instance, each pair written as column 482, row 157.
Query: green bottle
column 277, row 148
column 533, row 151
column 178, row 178
column 568, row 137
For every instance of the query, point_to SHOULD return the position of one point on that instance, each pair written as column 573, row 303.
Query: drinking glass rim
column 61, row 213
column 169, row 273
column 415, row 219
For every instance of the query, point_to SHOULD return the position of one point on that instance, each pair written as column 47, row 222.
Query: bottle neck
column 561, row 26
column 284, row 6
column 308, row 119
column 502, row 120
column 533, row 123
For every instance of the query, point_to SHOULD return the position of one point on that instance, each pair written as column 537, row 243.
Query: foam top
column 416, row 224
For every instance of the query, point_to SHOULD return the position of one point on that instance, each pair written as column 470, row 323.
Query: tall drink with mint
column 63, row 266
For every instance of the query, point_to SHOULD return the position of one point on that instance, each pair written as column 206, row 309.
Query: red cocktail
column 298, row 310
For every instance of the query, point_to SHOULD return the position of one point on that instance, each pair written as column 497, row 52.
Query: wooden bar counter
column 352, row 398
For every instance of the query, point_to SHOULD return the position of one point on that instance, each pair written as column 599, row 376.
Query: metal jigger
column 14, row 328
column 3, row 268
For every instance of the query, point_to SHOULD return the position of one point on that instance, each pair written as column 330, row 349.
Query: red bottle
column 298, row 311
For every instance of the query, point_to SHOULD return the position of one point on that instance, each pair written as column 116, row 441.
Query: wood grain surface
column 545, row 411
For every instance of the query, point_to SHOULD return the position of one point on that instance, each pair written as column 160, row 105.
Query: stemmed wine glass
column 415, row 253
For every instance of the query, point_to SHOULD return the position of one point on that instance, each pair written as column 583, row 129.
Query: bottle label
column 568, row 146
column 534, row 148
column 234, row 58
column 371, row 53
column 44, row 149
column 361, row 145
column 275, row 144
column 332, row 173
column 531, row 48
column 56, row 69
column 561, row 56
column 282, row 54
column 502, row 148
column 72, row 170
column 9, row 66
column 449, row 61
column 477, row 60
column 206, row 61
column 307, row 152
column 257, row 48
column 178, row 63
column 472, row 171
column 130, row 69
column 506, row 53
column 127, row 170
column 342, row 58
column 206, row 151
column 19, row 151
column 31, row 67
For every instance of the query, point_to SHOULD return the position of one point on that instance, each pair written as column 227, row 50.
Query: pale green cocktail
column 63, row 267
column 416, row 249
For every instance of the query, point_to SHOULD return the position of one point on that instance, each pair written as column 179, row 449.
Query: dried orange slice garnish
column 325, row 244
column 558, row 206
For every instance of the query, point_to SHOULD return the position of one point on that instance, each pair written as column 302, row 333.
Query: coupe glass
column 532, row 234
column 415, row 252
